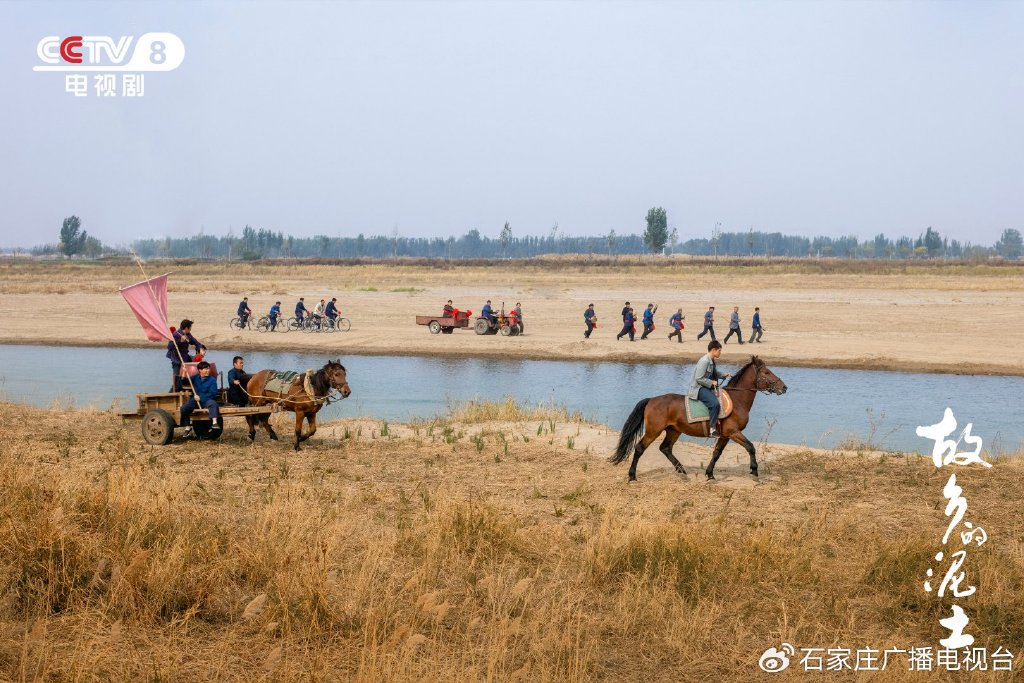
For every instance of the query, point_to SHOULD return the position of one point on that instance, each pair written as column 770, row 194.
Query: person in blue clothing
column 243, row 311
column 275, row 313
column 332, row 309
column 628, row 323
column 205, row 397
column 488, row 313
column 676, row 323
column 300, row 309
column 709, row 324
column 182, row 340
column 648, row 320
column 237, row 381
column 758, row 330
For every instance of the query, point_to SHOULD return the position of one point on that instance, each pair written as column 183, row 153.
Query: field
column 920, row 316
column 497, row 544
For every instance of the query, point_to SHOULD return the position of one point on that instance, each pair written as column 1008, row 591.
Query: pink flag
column 148, row 301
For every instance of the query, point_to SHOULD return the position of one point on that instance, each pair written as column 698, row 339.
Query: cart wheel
column 157, row 427
column 506, row 330
column 435, row 327
column 481, row 326
column 207, row 429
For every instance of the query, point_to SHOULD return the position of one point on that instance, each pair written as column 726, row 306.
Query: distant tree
column 750, row 241
column 92, row 248
column 1010, row 245
column 716, row 237
column 611, row 242
column 932, row 242
column 72, row 237
column 656, row 234
column 506, row 237
column 673, row 239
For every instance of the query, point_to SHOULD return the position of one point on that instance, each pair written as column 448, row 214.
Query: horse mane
column 321, row 385
column 754, row 360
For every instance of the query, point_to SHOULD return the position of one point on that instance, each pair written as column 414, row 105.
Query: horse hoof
column 273, row 437
column 252, row 437
column 631, row 480
column 710, row 477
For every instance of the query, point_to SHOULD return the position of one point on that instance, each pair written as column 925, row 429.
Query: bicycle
column 236, row 323
column 264, row 325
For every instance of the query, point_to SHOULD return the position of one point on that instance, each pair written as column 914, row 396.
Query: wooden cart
column 439, row 324
column 161, row 414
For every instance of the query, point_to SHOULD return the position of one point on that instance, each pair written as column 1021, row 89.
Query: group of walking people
column 675, row 323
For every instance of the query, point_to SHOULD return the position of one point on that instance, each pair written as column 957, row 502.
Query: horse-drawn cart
column 161, row 413
column 439, row 324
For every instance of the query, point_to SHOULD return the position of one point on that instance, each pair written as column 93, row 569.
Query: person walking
column 628, row 323
column 704, row 384
column 734, row 326
column 709, row 324
column 756, row 323
column 519, row 317
column 648, row 320
column 590, row 319
column 676, row 323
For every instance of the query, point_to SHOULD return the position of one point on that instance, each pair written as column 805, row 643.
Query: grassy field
column 496, row 544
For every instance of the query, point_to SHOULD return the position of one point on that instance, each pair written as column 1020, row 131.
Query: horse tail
column 631, row 432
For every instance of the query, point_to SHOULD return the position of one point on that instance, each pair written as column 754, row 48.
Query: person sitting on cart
column 205, row 396
column 243, row 311
column 332, row 308
column 300, row 309
column 182, row 340
column 275, row 313
column 449, row 310
column 488, row 313
column 237, row 381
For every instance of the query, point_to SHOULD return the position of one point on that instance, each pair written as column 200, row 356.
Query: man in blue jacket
column 704, row 383
column 275, row 313
column 676, row 323
column 648, row 320
column 205, row 396
column 238, row 379
column 300, row 309
column 243, row 311
column 709, row 324
column 758, row 330
column 488, row 313
column 332, row 309
column 590, row 319
column 628, row 323
column 182, row 339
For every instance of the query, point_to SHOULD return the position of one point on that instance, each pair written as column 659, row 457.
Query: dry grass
column 412, row 556
column 509, row 410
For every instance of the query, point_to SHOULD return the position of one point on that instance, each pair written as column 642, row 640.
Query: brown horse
column 667, row 414
column 305, row 403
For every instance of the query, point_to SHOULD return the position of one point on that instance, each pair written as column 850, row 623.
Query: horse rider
column 182, row 340
column 676, row 323
column 590, row 318
column 648, row 320
column 205, row 397
column 704, row 384
column 628, row 323
column 755, row 335
column 275, row 313
column 709, row 324
column 243, row 311
column 300, row 309
column 734, row 326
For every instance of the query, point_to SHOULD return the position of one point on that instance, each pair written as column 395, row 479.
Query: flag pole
column 156, row 305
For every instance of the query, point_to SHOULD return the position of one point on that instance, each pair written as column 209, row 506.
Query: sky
column 433, row 118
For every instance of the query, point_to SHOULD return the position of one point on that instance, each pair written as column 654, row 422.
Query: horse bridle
column 770, row 388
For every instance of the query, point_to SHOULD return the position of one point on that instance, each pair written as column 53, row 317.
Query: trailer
column 439, row 323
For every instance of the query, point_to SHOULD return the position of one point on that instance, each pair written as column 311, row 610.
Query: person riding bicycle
column 275, row 313
column 243, row 311
column 300, row 309
column 332, row 309
column 318, row 313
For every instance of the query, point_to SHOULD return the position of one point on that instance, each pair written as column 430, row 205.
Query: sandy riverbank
column 930, row 320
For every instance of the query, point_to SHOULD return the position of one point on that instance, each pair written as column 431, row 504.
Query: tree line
column 254, row 244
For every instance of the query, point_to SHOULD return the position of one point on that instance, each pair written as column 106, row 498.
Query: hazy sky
column 435, row 118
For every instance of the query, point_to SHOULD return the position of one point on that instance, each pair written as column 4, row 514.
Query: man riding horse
column 704, row 383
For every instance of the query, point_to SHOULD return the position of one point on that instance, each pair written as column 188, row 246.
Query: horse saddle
column 280, row 381
column 698, row 412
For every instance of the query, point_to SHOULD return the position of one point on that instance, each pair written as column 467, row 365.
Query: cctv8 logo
column 158, row 52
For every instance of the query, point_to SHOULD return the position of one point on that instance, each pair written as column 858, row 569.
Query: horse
column 304, row 397
column 666, row 413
